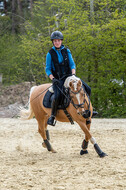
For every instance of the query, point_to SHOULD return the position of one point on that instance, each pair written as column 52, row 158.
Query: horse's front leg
column 86, row 140
column 92, row 140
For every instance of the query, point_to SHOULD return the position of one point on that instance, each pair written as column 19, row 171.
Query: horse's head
column 78, row 97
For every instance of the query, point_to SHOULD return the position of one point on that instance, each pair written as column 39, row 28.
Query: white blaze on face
column 78, row 98
column 77, row 95
column 75, row 86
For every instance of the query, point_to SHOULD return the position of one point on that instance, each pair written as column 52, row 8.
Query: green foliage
column 8, row 62
column 5, row 24
column 96, row 39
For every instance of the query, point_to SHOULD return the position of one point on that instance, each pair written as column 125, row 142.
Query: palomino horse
column 80, row 109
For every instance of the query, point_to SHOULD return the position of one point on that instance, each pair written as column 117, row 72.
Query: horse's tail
column 26, row 114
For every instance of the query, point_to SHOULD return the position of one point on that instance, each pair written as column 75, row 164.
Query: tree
column 13, row 16
column 95, row 33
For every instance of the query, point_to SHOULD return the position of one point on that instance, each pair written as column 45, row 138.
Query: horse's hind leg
column 47, row 131
column 42, row 130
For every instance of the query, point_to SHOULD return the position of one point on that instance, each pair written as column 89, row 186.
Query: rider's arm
column 51, row 77
column 49, row 66
column 73, row 71
column 71, row 62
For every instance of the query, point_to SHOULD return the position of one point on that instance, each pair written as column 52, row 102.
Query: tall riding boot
column 53, row 114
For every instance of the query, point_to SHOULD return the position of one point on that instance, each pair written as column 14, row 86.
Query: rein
column 39, row 94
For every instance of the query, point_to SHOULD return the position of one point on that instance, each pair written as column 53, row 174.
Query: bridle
column 86, row 113
column 76, row 105
column 77, row 91
column 80, row 105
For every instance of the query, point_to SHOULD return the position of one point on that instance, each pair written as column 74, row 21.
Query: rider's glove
column 55, row 81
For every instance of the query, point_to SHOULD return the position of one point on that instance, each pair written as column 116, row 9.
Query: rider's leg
column 55, row 103
column 53, row 113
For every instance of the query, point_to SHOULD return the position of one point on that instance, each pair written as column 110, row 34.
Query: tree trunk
column 13, row 16
column 31, row 6
column 20, row 13
column 19, row 7
column 5, row 7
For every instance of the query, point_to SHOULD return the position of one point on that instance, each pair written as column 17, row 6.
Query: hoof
column 53, row 151
column 102, row 155
column 44, row 145
column 83, row 152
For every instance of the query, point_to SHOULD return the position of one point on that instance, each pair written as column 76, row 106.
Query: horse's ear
column 70, row 84
column 79, row 83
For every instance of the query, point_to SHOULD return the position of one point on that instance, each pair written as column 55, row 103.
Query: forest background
column 94, row 31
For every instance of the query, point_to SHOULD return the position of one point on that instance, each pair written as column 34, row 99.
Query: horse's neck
column 87, row 102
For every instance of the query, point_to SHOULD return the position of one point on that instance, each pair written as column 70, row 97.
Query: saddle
column 63, row 104
column 64, row 100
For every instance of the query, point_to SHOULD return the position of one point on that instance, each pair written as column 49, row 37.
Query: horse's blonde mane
column 70, row 79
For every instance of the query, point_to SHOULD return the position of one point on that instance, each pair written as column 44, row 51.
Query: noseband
column 76, row 92
column 77, row 105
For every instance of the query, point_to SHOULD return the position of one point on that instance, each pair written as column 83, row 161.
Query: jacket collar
column 61, row 47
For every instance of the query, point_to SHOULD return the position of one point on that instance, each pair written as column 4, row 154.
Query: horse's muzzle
column 86, row 114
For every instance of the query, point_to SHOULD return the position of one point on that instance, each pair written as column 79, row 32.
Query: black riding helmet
column 56, row 35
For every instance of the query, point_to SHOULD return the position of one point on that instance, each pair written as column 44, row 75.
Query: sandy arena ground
column 26, row 165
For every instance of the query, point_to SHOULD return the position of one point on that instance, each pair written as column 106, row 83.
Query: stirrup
column 51, row 120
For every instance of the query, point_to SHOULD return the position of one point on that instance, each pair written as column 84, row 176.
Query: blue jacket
column 49, row 62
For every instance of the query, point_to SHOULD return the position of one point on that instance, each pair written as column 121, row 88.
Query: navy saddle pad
column 49, row 96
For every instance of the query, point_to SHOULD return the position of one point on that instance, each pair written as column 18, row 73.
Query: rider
column 59, row 64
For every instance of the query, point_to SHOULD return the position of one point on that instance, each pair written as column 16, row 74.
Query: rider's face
column 57, row 43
